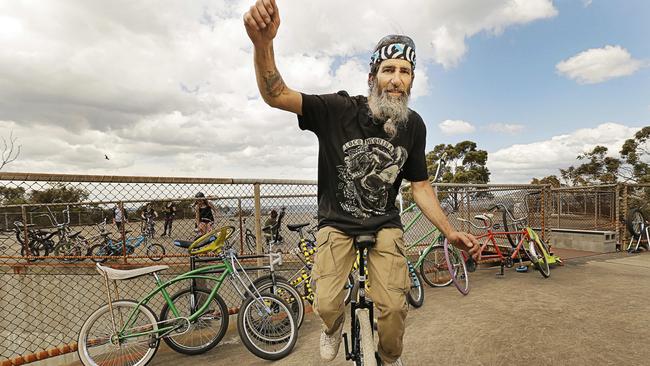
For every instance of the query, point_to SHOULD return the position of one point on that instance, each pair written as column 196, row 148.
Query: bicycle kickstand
column 501, row 270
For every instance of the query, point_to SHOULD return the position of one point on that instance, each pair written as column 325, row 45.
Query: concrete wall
column 593, row 241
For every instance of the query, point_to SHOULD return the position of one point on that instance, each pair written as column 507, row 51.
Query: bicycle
column 301, row 278
column 637, row 224
column 109, row 247
column 68, row 248
column 436, row 263
column 271, row 282
column 129, row 332
column 528, row 240
column 439, row 265
column 39, row 241
column 271, row 234
column 361, row 348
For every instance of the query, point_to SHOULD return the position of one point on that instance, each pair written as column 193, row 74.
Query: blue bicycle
column 109, row 247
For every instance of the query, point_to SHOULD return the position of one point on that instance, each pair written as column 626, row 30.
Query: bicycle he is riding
column 367, row 146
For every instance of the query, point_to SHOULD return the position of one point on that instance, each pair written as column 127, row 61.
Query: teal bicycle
column 438, row 265
column 127, row 332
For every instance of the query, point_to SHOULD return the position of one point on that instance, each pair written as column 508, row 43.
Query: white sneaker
column 329, row 344
column 397, row 362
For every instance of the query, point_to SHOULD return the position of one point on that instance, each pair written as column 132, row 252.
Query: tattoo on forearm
column 273, row 84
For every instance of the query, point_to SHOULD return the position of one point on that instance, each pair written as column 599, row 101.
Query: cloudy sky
column 168, row 88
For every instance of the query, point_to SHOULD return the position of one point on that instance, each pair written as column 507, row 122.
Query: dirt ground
column 591, row 311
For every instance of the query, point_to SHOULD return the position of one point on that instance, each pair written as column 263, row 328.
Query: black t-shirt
column 359, row 168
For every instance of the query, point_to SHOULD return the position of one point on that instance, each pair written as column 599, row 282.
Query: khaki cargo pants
column 389, row 283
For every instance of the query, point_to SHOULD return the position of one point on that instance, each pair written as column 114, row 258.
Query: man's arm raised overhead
column 262, row 21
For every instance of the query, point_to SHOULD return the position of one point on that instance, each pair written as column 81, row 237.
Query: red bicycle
column 526, row 240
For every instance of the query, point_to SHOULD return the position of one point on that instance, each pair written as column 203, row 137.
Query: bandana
column 393, row 51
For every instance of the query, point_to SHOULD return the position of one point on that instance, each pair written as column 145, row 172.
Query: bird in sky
column 106, row 156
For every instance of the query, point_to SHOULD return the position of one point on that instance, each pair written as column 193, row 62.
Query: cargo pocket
column 324, row 265
column 399, row 273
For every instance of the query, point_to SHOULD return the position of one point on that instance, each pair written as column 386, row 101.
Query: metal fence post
column 120, row 206
column 543, row 213
column 559, row 207
column 25, row 231
column 617, row 214
column 596, row 210
column 258, row 218
column 241, row 227
column 626, row 211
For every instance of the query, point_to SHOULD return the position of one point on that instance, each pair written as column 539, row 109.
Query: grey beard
column 394, row 112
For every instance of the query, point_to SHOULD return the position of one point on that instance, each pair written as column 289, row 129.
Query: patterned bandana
column 393, row 51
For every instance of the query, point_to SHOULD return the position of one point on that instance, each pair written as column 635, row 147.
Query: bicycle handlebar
column 476, row 226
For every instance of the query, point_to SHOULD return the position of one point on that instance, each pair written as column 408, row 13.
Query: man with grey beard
column 367, row 145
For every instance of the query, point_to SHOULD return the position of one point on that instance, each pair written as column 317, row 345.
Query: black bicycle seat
column 296, row 227
column 365, row 241
column 183, row 243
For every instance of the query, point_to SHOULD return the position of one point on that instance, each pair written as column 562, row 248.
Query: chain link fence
column 48, row 287
column 46, row 295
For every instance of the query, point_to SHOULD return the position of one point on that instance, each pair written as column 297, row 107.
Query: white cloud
column 509, row 128
column 456, row 127
column 596, row 65
column 521, row 162
column 170, row 89
column 586, row 3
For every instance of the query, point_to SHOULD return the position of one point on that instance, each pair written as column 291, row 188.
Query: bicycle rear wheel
column 535, row 253
column 456, row 266
column 367, row 341
column 206, row 331
column 99, row 345
column 635, row 222
column 513, row 239
column 266, row 327
column 433, row 269
column 415, row 296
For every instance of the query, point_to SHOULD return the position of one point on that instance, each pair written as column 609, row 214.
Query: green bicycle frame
column 200, row 273
column 433, row 242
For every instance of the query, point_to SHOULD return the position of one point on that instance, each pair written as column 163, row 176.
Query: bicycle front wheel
column 415, row 296
column 206, row 331
column 266, row 326
column 367, row 340
column 286, row 292
column 100, row 344
column 433, row 269
column 456, row 266
column 535, row 253
column 155, row 252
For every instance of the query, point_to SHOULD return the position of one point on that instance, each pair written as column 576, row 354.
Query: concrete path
column 594, row 310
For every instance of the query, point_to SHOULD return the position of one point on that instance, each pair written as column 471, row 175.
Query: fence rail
column 45, row 299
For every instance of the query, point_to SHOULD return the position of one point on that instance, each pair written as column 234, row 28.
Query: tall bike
column 361, row 348
column 439, row 264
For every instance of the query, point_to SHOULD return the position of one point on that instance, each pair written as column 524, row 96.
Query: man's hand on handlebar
column 466, row 242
